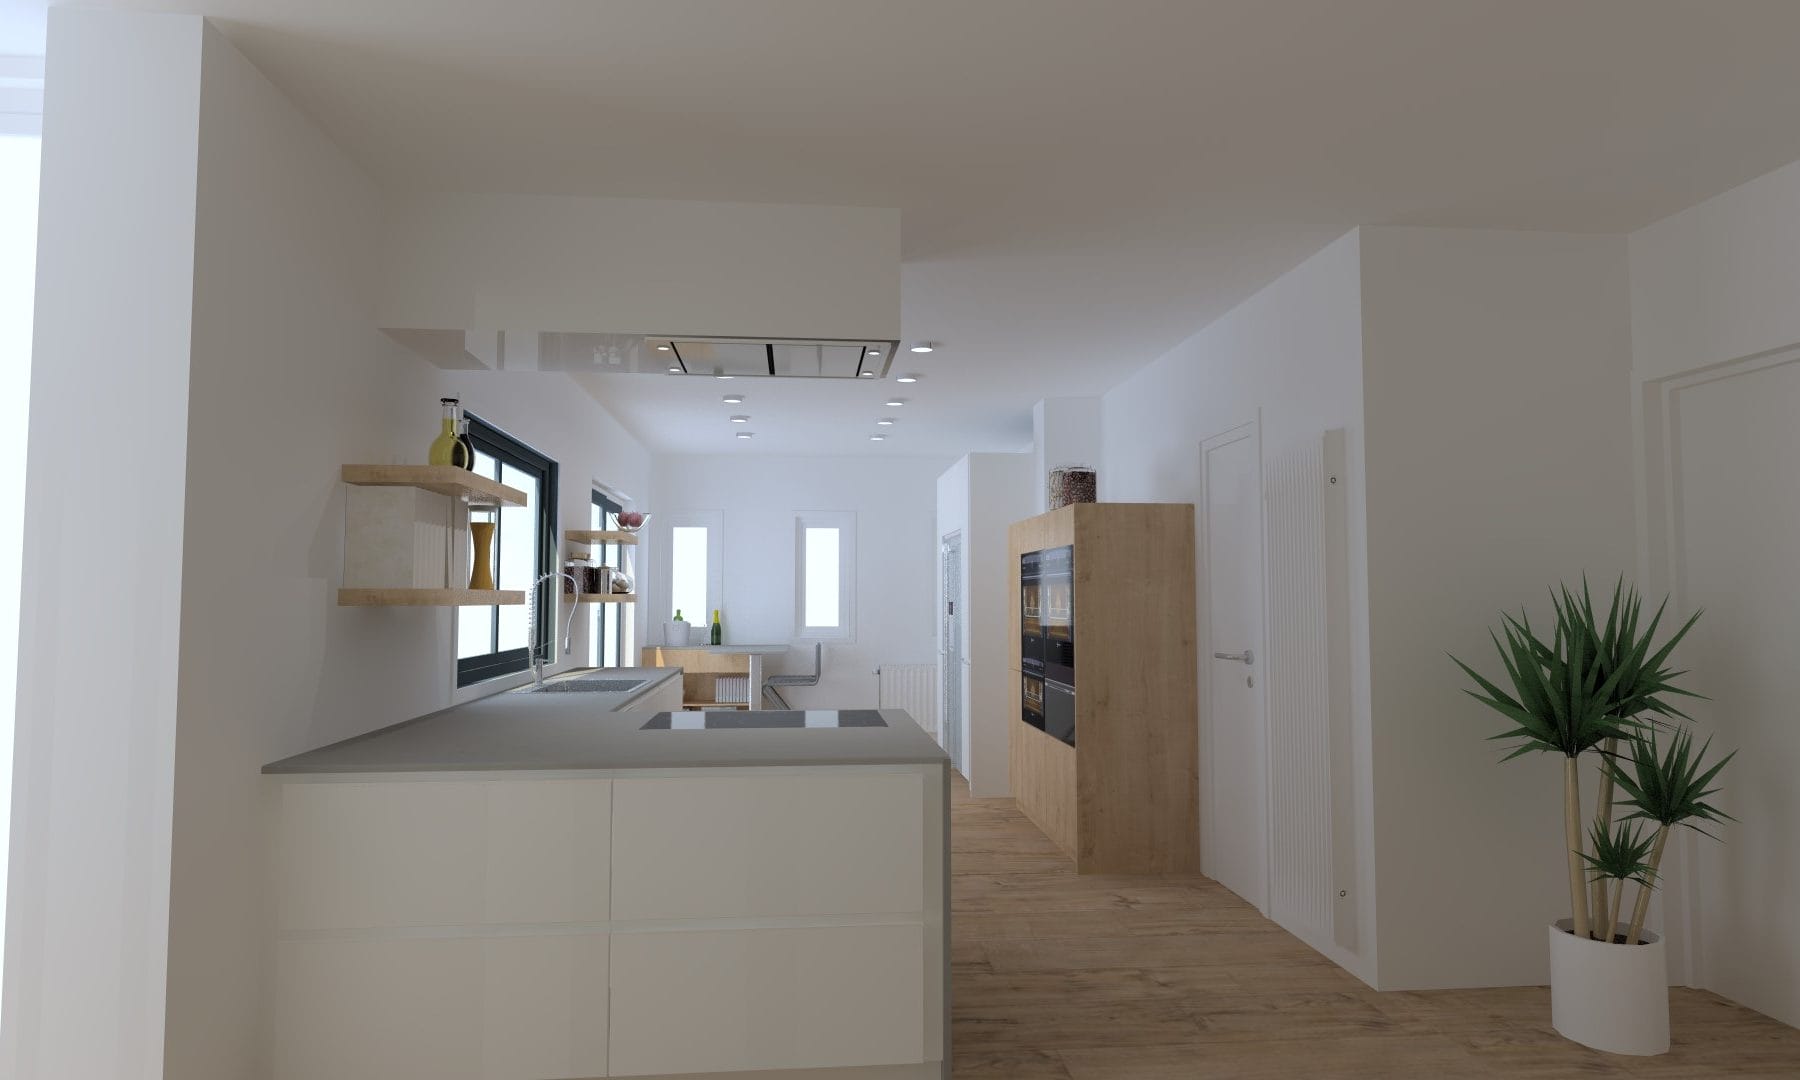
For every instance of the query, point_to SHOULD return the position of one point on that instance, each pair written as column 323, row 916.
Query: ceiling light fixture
column 727, row 377
column 907, row 379
column 923, row 346
column 894, row 403
column 746, row 434
column 886, row 421
column 740, row 419
column 877, row 438
column 874, row 352
column 868, row 375
column 662, row 348
column 674, row 369
column 733, row 399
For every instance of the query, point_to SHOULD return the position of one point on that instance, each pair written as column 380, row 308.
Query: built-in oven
column 1047, row 645
column 1031, row 625
column 1056, row 586
column 1032, row 710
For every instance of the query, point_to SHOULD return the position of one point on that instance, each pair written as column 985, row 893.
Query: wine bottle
column 718, row 631
column 446, row 449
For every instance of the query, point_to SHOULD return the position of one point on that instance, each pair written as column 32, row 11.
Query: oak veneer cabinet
column 1124, row 797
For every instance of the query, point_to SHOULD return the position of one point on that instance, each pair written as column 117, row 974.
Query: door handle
column 1246, row 656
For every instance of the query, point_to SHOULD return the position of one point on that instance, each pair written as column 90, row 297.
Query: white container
column 675, row 633
column 1610, row 997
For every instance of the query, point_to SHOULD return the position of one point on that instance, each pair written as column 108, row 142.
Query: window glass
column 821, row 560
column 688, row 572
column 496, row 640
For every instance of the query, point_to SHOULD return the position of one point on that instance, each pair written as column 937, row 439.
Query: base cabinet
column 696, row 922
column 713, row 1001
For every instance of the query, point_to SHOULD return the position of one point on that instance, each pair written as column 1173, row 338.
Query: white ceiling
column 1083, row 184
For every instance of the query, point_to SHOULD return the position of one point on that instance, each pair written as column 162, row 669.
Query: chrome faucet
column 568, row 639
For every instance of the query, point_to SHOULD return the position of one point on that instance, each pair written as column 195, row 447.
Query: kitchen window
column 614, row 628
column 825, row 576
column 497, row 640
column 695, row 561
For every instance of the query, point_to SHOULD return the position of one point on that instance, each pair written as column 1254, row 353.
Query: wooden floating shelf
column 600, row 536
column 606, row 598
column 429, row 597
column 443, row 479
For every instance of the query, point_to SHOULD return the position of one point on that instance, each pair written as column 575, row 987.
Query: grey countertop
column 581, row 731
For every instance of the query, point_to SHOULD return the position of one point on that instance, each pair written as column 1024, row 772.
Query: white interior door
column 1736, row 532
column 950, row 670
column 1233, row 730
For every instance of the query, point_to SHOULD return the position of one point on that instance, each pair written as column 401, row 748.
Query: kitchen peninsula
column 559, row 884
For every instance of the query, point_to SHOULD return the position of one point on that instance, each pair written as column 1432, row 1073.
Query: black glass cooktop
column 730, row 719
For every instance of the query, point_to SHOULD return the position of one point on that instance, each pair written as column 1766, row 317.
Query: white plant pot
column 1610, row 997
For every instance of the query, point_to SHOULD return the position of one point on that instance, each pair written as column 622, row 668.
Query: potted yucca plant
column 1603, row 688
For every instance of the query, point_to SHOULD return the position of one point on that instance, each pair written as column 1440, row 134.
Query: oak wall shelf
column 606, row 598
column 600, row 536
column 429, row 597
column 443, row 479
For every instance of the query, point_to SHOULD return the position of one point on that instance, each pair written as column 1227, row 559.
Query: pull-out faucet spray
column 568, row 637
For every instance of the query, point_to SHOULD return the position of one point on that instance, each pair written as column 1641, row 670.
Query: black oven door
column 1059, row 711
column 1032, row 697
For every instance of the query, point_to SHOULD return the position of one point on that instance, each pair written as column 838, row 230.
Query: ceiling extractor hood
column 733, row 357
column 784, row 357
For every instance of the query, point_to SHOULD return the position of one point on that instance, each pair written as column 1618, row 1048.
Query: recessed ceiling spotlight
column 746, row 434
column 868, row 375
column 662, row 348
column 886, row 421
column 725, row 376
column 740, row 419
column 877, row 438
column 874, row 351
column 907, row 379
column 923, row 346
column 894, row 403
column 674, row 369
column 733, row 399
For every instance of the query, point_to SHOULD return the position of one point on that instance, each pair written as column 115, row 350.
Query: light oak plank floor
column 1064, row 977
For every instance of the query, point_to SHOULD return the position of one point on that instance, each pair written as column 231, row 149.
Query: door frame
column 1662, row 569
column 1250, row 429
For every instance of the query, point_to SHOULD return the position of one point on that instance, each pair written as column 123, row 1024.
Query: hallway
column 1063, row 977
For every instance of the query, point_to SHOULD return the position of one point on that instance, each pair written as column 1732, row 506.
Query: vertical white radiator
column 1311, row 817
column 913, row 687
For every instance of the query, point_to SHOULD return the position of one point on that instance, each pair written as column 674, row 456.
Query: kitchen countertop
column 516, row 730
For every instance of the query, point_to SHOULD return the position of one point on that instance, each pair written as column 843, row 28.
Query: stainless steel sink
column 580, row 685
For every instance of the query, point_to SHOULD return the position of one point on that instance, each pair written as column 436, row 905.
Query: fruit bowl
column 631, row 520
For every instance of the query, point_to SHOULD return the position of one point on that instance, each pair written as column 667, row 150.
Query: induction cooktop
column 734, row 719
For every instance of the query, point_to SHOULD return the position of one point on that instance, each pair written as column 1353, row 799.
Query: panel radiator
column 913, row 687
column 1311, row 845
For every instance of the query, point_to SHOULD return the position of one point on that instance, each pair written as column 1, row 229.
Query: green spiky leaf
column 1622, row 854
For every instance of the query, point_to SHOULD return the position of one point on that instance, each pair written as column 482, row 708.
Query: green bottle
column 718, row 632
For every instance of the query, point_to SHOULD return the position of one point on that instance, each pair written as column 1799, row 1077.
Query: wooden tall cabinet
column 1124, row 798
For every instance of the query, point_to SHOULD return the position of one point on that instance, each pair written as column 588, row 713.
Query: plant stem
column 1642, row 908
column 1612, row 914
column 1603, row 808
column 1578, row 908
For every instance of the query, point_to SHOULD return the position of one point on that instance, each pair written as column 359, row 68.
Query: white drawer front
column 730, row 1000
column 727, row 847
column 502, row 1008
column 443, row 853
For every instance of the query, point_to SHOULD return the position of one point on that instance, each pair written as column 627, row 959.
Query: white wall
column 981, row 496
column 1064, row 431
column 894, row 500
column 1292, row 354
column 95, row 749
column 180, row 182
column 642, row 266
column 1713, row 321
column 1499, row 451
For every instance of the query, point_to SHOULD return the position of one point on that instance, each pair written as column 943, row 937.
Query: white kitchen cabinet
column 430, row 852
column 726, row 1000
column 829, row 843
column 441, row 1008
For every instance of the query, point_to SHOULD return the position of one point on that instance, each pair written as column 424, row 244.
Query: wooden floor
column 1063, row 977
